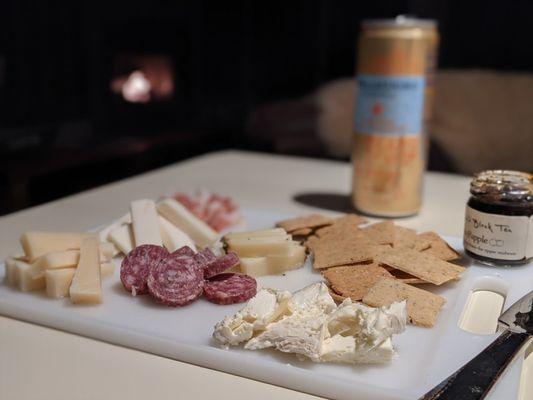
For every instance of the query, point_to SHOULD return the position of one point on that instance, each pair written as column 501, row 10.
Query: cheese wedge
column 28, row 277
column 11, row 271
column 58, row 282
column 259, row 233
column 272, row 265
column 122, row 238
column 36, row 244
column 145, row 223
column 86, row 285
column 262, row 247
column 201, row 234
column 173, row 237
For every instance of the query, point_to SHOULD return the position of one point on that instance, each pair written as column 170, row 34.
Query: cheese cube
column 28, row 277
column 145, row 223
column 123, row 238
column 58, row 282
column 271, row 265
column 86, row 285
column 173, row 237
column 178, row 215
column 36, row 244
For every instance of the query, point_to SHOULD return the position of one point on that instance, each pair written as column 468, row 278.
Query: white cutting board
column 425, row 356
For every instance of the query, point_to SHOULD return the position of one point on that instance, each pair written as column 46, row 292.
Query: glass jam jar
column 498, row 218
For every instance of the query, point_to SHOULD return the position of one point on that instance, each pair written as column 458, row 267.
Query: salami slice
column 137, row 264
column 204, row 258
column 230, row 288
column 220, row 265
column 176, row 281
column 184, row 251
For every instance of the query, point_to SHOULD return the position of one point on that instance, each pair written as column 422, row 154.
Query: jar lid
column 503, row 184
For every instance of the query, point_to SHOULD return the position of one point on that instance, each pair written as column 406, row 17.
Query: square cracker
column 308, row 221
column 423, row 307
column 438, row 247
column 335, row 296
column 406, row 278
column 404, row 238
column 345, row 253
column 354, row 281
column 302, row 232
column 342, row 226
column 421, row 265
column 380, row 232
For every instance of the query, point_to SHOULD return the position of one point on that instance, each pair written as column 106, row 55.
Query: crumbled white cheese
column 309, row 323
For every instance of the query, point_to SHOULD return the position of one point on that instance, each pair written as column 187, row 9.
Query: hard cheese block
column 58, row 281
column 262, row 246
column 173, row 237
column 36, row 244
column 260, row 233
column 271, row 265
column 86, row 285
column 122, row 238
column 145, row 223
column 177, row 214
column 28, row 277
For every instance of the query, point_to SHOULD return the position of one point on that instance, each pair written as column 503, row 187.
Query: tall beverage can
column 395, row 73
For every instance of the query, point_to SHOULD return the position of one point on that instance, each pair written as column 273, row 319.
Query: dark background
column 63, row 129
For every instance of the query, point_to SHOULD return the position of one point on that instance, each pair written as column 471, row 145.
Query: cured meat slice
column 220, row 265
column 184, row 251
column 230, row 288
column 176, row 281
column 137, row 265
column 204, row 258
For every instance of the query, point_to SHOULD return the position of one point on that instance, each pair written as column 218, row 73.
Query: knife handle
column 474, row 380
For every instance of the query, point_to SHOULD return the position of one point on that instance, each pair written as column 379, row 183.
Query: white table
column 38, row 362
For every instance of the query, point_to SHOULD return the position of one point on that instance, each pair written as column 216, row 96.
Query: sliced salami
column 137, row 265
column 176, row 281
column 184, row 251
column 204, row 258
column 230, row 288
column 220, row 265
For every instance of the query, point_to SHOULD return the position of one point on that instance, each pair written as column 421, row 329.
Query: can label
column 389, row 105
column 502, row 237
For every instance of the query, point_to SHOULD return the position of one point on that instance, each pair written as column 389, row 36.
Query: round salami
column 137, row 264
column 222, row 264
column 204, row 258
column 176, row 281
column 230, row 288
column 184, row 251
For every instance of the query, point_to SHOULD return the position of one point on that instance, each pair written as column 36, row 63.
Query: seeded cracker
column 345, row 225
column 438, row 247
column 344, row 253
column 302, row 232
column 421, row 265
column 309, row 221
column 380, row 233
column 404, row 238
column 354, row 281
column 423, row 307
column 406, row 278
column 335, row 296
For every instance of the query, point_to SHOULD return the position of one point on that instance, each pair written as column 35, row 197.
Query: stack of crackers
column 379, row 263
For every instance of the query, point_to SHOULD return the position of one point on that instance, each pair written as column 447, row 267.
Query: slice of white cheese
column 259, row 233
column 68, row 258
column 36, row 244
column 28, row 277
column 145, row 223
column 86, row 285
column 272, row 265
column 180, row 216
column 11, row 271
column 58, row 282
column 104, row 232
column 173, row 237
column 122, row 238
column 262, row 247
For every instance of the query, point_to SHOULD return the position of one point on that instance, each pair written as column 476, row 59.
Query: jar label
column 500, row 237
column 389, row 105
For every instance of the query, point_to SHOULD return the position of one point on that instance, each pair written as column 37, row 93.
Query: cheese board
column 424, row 356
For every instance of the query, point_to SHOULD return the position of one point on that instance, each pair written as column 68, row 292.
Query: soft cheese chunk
column 86, row 285
column 261, row 310
column 173, row 237
column 122, row 238
column 145, row 223
column 311, row 325
column 198, row 230
column 36, row 244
